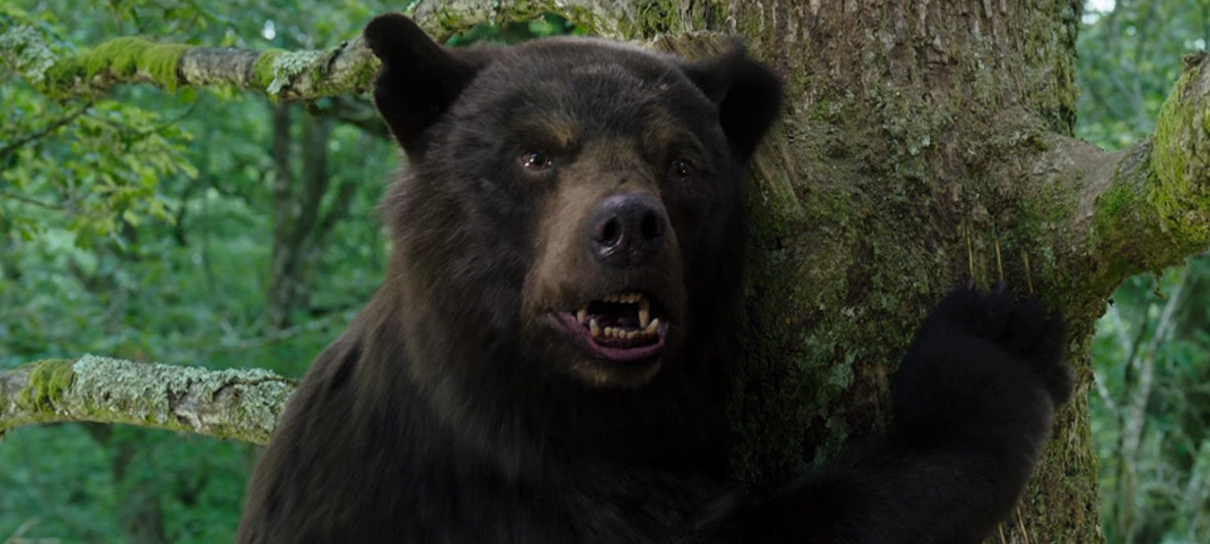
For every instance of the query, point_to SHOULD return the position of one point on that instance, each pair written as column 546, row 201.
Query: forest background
column 220, row 228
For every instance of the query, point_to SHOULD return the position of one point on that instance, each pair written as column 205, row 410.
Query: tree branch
column 284, row 75
column 1131, row 211
column 234, row 404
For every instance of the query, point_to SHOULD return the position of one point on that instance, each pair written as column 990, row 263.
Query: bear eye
column 681, row 169
column 536, row 160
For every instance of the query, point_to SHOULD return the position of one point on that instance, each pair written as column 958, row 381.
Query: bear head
column 573, row 209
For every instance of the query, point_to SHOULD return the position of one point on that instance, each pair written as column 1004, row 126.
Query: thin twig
column 30, row 201
column 12, row 147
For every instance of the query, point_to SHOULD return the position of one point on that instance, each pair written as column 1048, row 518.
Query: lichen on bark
column 239, row 404
column 288, row 75
column 27, row 51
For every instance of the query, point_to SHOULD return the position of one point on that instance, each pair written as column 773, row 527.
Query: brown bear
column 549, row 356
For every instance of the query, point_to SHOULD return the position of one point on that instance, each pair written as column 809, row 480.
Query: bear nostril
column 608, row 233
column 652, row 226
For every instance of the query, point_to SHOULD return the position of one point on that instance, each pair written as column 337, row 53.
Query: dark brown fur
column 465, row 404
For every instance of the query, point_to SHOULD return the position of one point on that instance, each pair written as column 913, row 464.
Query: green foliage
column 143, row 225
column 549, row 25
column 1151, row 402
column 1151, row 408
column 140, row 225
column 88, row 168
column 1130, row 56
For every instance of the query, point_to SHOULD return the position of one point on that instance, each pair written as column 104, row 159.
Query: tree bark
column 236, row 404
column 286, row 75
column 925, row 144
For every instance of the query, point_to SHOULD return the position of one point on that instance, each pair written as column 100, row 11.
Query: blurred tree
column 145, row 225
column 1150, row 409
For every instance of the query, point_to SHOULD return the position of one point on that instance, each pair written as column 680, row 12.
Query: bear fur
column 549, row 356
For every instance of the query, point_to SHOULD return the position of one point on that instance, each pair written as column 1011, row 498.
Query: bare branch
column 234, row 404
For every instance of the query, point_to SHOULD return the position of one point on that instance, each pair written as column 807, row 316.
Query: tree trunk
column 301, row 223
column 905, row 167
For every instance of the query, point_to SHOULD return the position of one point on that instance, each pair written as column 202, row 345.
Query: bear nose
column 628, row 230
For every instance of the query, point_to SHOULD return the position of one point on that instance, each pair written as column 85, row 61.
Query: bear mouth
column 621, row 327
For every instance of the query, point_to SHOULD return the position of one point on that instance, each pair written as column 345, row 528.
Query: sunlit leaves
column 1130, row 56
column 86, row 167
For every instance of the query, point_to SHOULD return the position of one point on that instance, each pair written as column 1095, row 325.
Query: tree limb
column 1131, row 211
column 234, row 404
column 284, row 75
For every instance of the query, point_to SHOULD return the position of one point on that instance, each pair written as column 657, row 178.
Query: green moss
column 655, row 17
column 47, row 382
column 1167, row 161
column 263, row 68
column 1179, row 160
column 128, row 56
column 1119, row 199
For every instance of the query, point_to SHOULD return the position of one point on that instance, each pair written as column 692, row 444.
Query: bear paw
column 1023, row 329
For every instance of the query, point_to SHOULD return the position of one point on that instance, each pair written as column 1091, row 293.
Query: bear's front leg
column 976, row 395
column 974, row 401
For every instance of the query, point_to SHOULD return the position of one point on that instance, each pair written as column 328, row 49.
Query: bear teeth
column 624, row 334
column 623, row 298
column 620, row 333
column 647, row 327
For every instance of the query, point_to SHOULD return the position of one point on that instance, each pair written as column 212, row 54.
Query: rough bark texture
column 925, row 144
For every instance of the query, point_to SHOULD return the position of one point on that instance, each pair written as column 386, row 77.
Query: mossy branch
column 1155, row 208
column 1132, row 211
column 284, row 75
column 233, row 404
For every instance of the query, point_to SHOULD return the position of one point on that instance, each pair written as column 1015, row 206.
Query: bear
column 549, row 356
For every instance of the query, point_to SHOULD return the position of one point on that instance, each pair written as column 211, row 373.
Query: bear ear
column 747, row 93
column 419, row 80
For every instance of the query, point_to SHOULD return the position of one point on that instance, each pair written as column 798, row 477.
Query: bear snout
column 627, row 230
